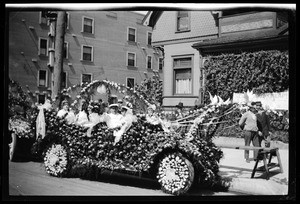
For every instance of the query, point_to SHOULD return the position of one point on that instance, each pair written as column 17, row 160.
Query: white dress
column 81, row 118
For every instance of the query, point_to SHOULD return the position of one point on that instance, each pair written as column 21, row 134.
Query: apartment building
column 112, row 45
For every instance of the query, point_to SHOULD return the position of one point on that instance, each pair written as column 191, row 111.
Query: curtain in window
column 87, row 53
column 88, row 25
column 42, row 78
column 43, row 47
column 131, row 34
column 183, row 81
column 182, row 20
column 131, row 59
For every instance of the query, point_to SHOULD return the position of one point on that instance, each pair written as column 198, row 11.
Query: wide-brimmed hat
column 179, row 105
column 114, row 105
column 120, row 101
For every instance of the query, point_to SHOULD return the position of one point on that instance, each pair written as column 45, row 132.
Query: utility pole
column 58, row 56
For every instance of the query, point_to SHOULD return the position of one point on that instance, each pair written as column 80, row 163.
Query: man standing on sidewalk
column 264, row 120
column 249, row 124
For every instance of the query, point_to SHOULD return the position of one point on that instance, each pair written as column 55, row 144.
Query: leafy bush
column 262, row 72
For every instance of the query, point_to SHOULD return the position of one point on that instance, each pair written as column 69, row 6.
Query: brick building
column 112, row 45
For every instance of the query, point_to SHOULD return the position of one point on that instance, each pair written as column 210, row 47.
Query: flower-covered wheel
column 12, row 147
column 175, row 174
column 55, row 160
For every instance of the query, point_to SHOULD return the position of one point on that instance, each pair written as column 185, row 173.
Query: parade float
column 178, row 158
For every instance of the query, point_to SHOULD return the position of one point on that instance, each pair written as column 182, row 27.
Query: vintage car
column 176, row 159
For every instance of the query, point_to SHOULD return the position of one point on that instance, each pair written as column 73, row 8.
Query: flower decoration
column 20, row 127
column 55, row 160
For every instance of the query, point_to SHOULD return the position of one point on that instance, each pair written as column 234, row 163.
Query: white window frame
column 162, row 63
column 38, row 77
column 68, row 20
column 189, row 23
column 47, row 49
column 130, row 78
column 40, row 19
column 148, row 61
column 86, row 74
column 93, row 24
column 148, row 38
column 135, row 34
column 67, row 50
column 178, row 68
column 134, row 58
column 92, row 52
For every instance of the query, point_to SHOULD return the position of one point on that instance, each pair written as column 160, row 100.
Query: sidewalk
column 234, row 167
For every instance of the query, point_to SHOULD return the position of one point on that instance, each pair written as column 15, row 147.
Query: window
column 131, row 34
column 43, row 17
column 149, row 38
column 88, row 25
column 183, row 75
column 66, row 50
column 149, row 62
column 183, row 21
column 160, row 63
column 130, row 82
column 87, row 53
column 41, row 98
column 42, row 78
column 64, row 80
column 67, row 20
column 131, row 58
column 86, row 78
column 43, row 46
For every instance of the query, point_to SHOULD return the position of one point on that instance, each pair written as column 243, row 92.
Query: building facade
column 176, row 32
column 188, row 37
column 112, row 45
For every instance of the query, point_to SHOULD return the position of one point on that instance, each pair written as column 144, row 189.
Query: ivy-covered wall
column 261, row 71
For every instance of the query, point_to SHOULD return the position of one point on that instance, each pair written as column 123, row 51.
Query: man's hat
column 125, row 108
column 180, row 105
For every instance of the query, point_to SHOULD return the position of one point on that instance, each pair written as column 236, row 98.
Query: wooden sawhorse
column 262, row 155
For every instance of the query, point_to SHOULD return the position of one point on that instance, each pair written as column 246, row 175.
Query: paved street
column 30, row 178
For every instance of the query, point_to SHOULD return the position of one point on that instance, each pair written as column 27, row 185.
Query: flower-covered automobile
column 176, row 159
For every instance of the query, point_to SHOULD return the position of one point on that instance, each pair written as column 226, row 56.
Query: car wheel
column 175, row 174
column 56, row 161
column 12, row 147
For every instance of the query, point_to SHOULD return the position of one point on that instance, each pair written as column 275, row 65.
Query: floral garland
column 20, row 127
column 55, row 160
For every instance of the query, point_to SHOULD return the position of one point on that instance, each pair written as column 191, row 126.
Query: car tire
column 12, row 147
column 175, row 174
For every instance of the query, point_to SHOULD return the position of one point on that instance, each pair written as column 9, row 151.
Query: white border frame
column 81, row 57
column 82, row 24
column 134, row 58
column 135, row 34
